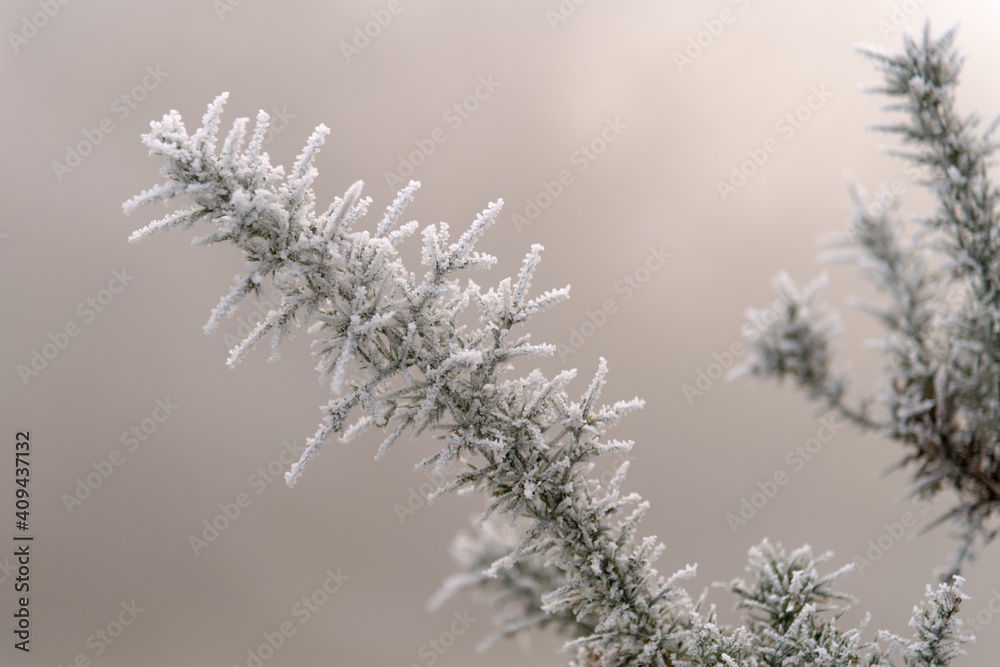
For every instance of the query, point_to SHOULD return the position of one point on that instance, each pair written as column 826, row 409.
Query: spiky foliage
column 940, row 388
column 393, row 350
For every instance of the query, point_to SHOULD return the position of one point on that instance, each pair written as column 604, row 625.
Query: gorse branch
column 397, row 356
column 393, row 348
column 940, row 389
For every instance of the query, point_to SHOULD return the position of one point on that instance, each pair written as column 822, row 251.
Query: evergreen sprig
column 940, row 388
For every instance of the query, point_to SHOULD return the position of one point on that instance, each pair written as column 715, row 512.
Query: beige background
column 655, row 185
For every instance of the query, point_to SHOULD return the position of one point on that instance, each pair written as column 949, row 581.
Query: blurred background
column 143, row 439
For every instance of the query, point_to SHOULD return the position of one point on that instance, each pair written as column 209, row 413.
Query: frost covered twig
column 392, row 349
column 940, row 390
